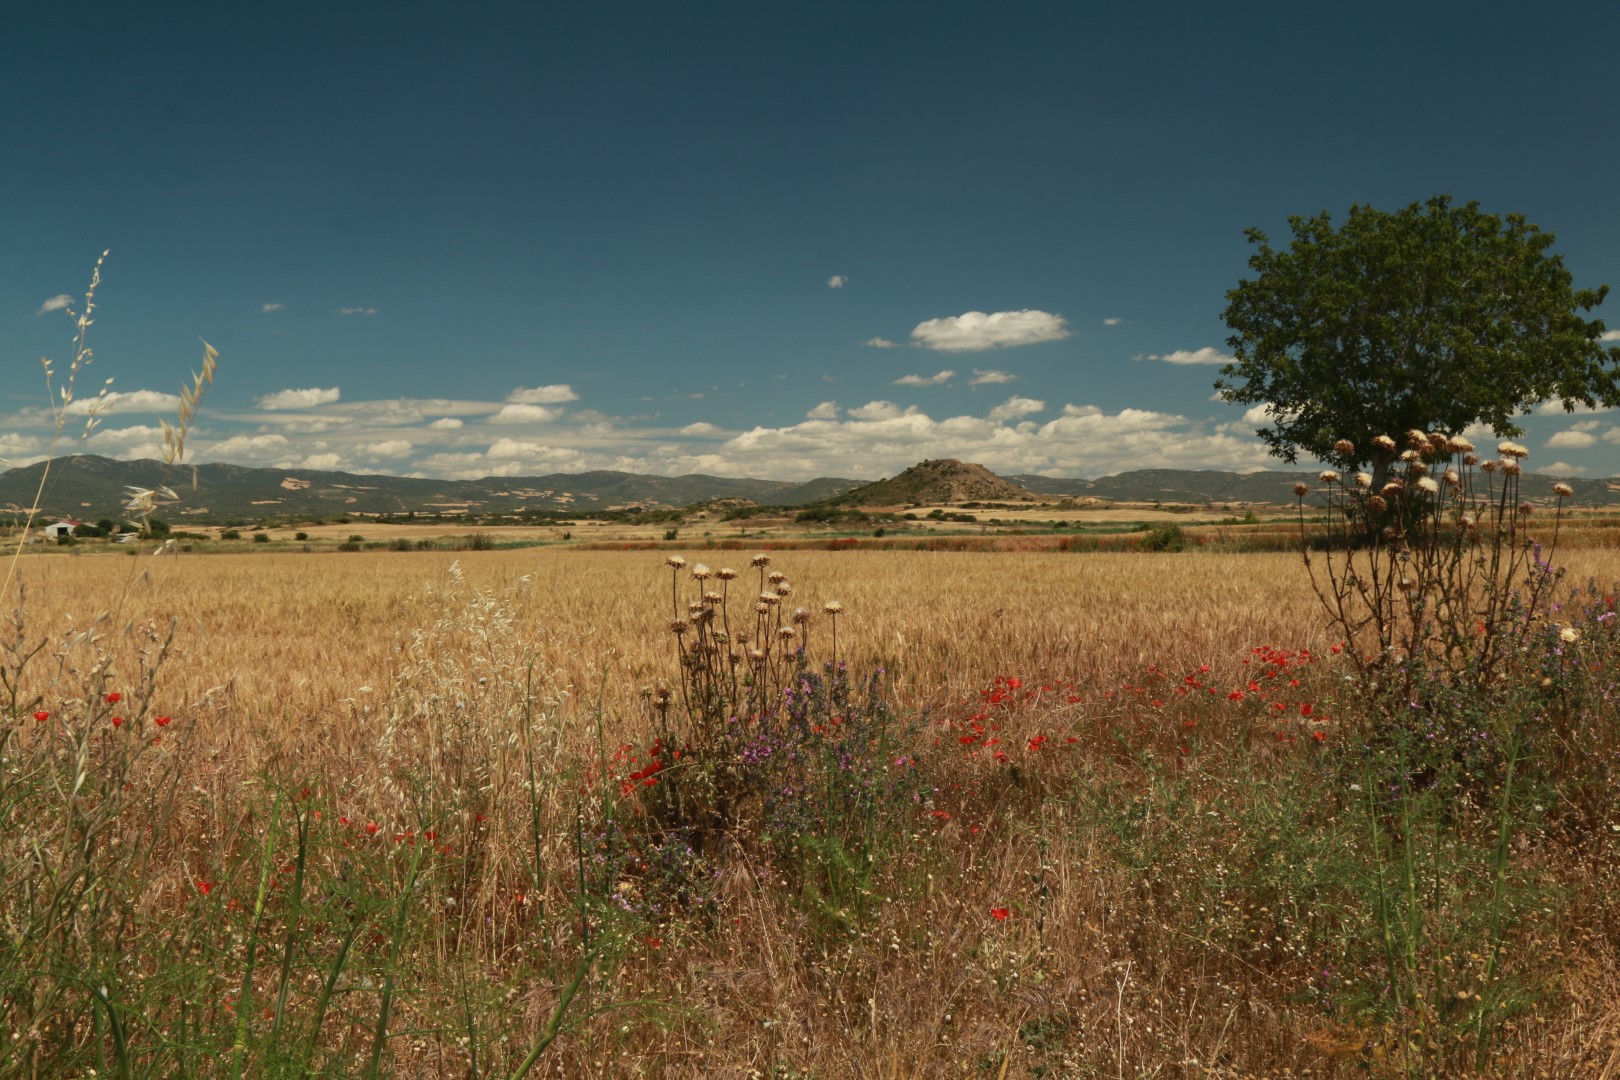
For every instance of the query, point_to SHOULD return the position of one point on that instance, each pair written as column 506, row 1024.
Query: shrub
column 1165, row 538
column 231, row 534
column 301, row 536
column 261, row 538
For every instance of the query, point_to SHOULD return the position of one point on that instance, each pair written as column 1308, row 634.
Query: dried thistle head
column 1364, row 481
column 833, row 608
column 726, row 573
column 1459, row 445
column 679, row 626
column 760, row 560
column 1344, row 448
column 701, row 572
column 1428, row 486
column 1509, row 449
column 674, row 562
column 1563, row 491
column 1301, row 489
column 1512, row 467
column 1417, row 439
column 1328, row 476
column 801, row 615
column 1378, row 504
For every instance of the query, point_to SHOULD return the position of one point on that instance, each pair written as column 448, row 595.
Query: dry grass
column 403, row 696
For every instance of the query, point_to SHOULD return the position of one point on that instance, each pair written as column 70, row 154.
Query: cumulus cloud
column 1016, row 407
column 543, row 395
column 59, row 302
column 827, row 410
column 880, row 343
column 128, row 443
column 112, row 402
column 246, row 449
column 1607, row 335
column 990, row 377
column 1561, row 468
column 523, row 414
column 926, row 380
column 975, row 331
column 1571, row 440
column 837, row 281
column 267, row 307
column 300, row 399
column 1112, row 322
column 445, row 423
column 320, row 462
column 1206, row 355
column 356, row 311
column 702, row 427
column 387, row 448
column 880, row 410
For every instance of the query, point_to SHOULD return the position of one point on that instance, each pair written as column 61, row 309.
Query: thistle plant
column 1436, row 571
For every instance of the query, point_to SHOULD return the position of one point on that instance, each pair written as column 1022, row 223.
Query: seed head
column 1527, row 509
column 1511, row 449
column 1453, row 478
column 1328, row 476
column 833, row 608
column 786, row 633
column 679, row 626
column 769, row 599
column 1459, row 445
column 1344, row 448
column 1428, row 486
column 1302, row 489
column 784, row 589
column 1439, row 443
column 1384, row 442
column 726, row 573
column 1393, row 489
column 776, row 577
column 1512, row 467
column 801, row 615
column 1377, row 504
column 713, row 598
column 1489, row 466
column 1569, row 635
column 1417, row 440
column 701, row 572
column 760, row 560
column 1363, row 480
column 1409, row 456
column 675, row 561
column 1563, row 491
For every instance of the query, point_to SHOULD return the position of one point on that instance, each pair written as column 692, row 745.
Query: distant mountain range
column 89, row 487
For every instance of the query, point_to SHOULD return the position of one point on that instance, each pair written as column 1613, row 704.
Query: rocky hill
column 942, row 482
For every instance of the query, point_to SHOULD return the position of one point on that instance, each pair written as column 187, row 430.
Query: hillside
column 944, row 481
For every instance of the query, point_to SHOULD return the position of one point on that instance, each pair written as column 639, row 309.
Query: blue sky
column 744, row 239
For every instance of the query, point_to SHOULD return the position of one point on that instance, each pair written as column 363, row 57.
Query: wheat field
column 440, row 745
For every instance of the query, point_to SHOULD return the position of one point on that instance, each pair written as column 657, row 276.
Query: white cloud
column 523, row 414
column 827, row 410
column 1561, row 468
column 1016, row 407
column 387, row 448
column 542, row 395
column 926, row 380
column 990, row 377
column 112, row 402
column 1112, row 322
column 320, row 462
column 702, row 427
column 1607, row 335
column 837, row 281
column 1206, row 355
column 246, row 449
column 880, row 410
column 356, row 311
column 975, row 331
column 300, row 399
column 880, row 343
column 445, row 423
column 129, row 443
column 267, row 308
column 1571, row 440
column 59, row 302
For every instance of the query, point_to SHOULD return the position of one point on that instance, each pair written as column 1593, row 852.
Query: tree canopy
column 1432, row 318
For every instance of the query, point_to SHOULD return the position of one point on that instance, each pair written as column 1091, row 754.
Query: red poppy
column 1000, row 913
column 114, row 698
column 163, row 721
column 118, row 721
column 372, row 828
column 42, row 716
column 205, row 887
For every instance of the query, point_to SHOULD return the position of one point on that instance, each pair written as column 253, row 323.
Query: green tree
column 1430, row 318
